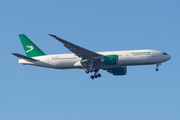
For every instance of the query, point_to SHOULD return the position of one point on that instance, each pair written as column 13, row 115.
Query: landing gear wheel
column 157, row 69
column 92, row 77
column 99, row 75
column 87, row 71
column 95, row 76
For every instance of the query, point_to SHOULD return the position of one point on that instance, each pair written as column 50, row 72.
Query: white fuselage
column 125, row 58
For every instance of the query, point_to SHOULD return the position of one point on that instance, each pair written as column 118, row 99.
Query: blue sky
column 34, row 93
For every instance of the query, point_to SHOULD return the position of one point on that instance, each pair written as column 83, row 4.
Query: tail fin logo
column 31, row 48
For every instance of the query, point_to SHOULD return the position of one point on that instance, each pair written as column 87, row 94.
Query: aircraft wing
column 79, row 51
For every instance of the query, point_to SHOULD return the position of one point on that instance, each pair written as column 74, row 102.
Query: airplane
column 115, row 62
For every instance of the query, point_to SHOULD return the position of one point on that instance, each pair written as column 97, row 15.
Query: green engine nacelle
column 119, row 70
column 110, row 60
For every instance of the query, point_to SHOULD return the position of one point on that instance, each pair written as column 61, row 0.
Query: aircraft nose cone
column 169, row 57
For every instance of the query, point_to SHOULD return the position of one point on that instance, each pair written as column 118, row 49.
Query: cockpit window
column 165, row 54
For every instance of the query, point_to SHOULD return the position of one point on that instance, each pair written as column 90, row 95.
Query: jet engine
column 119, row 70
column 110, row 60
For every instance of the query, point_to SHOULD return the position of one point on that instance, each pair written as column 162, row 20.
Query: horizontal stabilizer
column 24, row 57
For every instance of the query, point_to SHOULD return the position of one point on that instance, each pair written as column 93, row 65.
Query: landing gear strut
column 157, row 65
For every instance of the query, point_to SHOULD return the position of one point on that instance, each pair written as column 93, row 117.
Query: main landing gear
column 95, row 73
column 95, row 76
column 157, row 65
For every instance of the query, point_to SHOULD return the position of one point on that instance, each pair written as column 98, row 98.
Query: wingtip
column 51, row 35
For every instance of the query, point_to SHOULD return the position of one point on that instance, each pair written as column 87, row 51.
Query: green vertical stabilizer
column 30, row 48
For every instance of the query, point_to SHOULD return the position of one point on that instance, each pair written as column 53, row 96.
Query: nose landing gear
column 157, row 65
column 157, row 69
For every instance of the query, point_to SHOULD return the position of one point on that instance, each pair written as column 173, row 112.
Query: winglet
column 24, row 57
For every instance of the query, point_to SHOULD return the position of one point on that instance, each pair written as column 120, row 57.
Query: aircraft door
column 128, row 57
column 152, row 53
column 48, row 60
